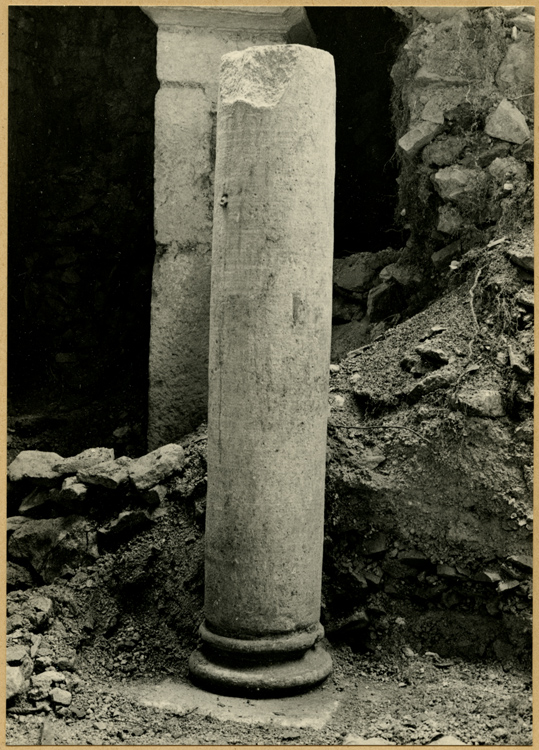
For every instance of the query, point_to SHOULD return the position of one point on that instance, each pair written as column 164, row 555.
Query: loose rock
column 151, row 469
column 36, row 466
column 507, row 123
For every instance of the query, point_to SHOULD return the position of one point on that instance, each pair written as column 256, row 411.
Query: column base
column 298, row 673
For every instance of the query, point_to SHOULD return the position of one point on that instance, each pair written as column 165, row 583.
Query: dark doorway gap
column 364, row 43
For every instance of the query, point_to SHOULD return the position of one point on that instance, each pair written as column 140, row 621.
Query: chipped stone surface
column 451, row 182
column 418, row 136
column 149, row 470
column 522, row 258
column 516, row 69
column 36, row 466
column 84, row 460
column 481, row 403
column 110, row 474
column 15, row 681
column 449, row 220
column 507, row 123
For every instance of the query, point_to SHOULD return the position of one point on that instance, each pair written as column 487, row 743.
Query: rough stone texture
column 452, row 182
column 35, row 466
column 444, row 152
column 72, row 493
column 507, row 123
column 61, row 697
column 15, row 681
column 423, row 133
column 52, row 544
column 190, row 46
column 84, row 460
column 482, row 403
column 442, row 258
column 110, row 474
column 449, row 220
column 34, row 502
column 17, row 577
column 516, row 70
column 357, row 272
column 522, row 258
column 269, row 356
column 152, row 468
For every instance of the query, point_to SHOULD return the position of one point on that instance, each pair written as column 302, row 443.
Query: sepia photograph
column 270, row 375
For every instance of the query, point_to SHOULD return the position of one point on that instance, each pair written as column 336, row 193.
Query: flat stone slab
column 313, row 709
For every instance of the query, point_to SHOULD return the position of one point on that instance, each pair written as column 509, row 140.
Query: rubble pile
column 463, row 115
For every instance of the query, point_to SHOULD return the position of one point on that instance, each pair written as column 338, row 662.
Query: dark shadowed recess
column 82, row 84
column 364, row 43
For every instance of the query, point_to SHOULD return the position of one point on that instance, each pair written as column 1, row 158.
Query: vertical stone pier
column 270, row 330
column 190, row 44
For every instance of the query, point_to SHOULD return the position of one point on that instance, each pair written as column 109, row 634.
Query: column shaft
column 270, row 331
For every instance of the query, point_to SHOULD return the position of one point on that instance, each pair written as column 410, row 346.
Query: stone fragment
column 123, row 528
column 507, row 168
column 432, row 382
column 414, row 557
column 17, row 577
column 522, row 258
column 41, row 604
column 111, row 474
column 525, row 22
column 526, row 151
column 516, row 69
column 84, row 460
column 407, row 276
column 15, row 655
column 447, row 739
column 507, row 123
column 436, row 356
column 60, row 697
column 375, row 545
column 36, row 466
column 149, row 470
column 15, row 522
column 33, row 504
column 444, row 151
column 15, row 682
column 53, row 544
column 454, row 181
column 524, row 298
column 354, row 739
column 449, row 220
column 507, row 586
column 155, row 495
column 357, row 272
column 433, row 112
column 425, row 77
column 417, row 137
column 481, row 403
column 498, row 150
column 522, row 561
column 442, row 258
column 518, row 362
column 72, row 494
column 45, row 680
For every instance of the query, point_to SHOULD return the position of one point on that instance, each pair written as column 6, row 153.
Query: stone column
column 270, row 337
column 190, row 44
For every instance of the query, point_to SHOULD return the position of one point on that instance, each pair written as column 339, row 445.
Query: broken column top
column 260, row 75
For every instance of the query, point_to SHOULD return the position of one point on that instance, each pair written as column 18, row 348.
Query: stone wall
column 464, row 116
column 81, row 89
